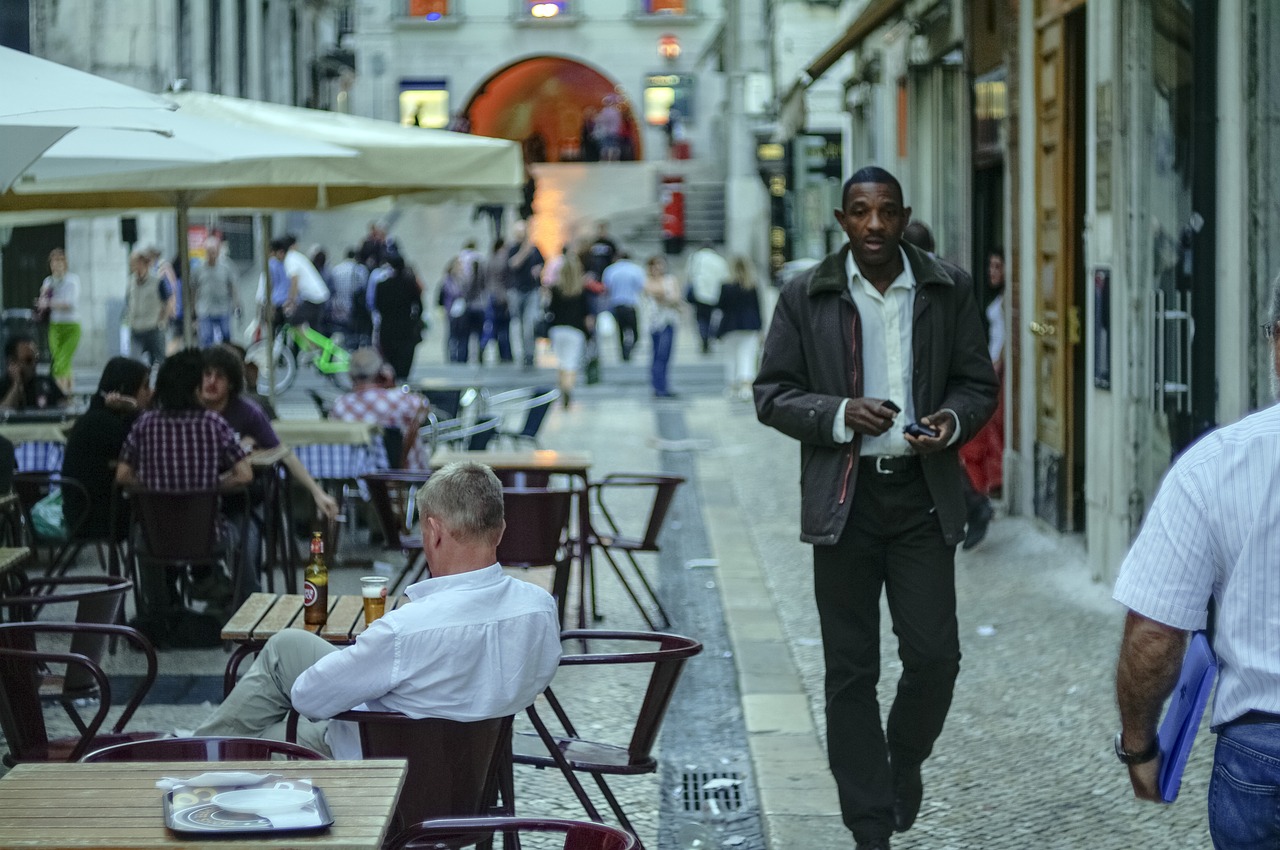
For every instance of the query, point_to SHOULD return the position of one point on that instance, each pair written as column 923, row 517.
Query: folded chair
column 24, row 665
column 455, row 769
column 608, row 537
column 446, row 832
column 204, row 749
column 571, row 752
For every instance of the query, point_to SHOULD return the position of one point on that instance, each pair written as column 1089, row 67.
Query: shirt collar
column 470, row 580
column 906, row 280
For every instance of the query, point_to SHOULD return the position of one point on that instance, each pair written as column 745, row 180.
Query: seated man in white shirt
column 472, row 644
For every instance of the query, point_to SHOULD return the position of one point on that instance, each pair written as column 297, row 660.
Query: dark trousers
column 663, row 339
column 705, row 316
column 892, row 541
column 625, row 317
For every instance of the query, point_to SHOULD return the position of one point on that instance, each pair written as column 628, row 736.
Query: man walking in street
column 705, row 273
column 524, row 278
column 1211, row 535
column 216, row 302
column 146, row 309
column 623, row 283
column 876, row 362
column 307, row 290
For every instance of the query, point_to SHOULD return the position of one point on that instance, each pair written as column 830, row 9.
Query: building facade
column 1130, row 196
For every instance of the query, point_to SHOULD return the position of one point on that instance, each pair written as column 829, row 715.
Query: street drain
column 711, row 792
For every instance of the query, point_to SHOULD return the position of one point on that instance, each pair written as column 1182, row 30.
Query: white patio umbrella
column 43, row 101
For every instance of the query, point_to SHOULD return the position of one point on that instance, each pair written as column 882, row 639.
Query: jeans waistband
column 1250, row 718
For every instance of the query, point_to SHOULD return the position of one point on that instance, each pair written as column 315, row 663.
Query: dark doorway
column 26, row 262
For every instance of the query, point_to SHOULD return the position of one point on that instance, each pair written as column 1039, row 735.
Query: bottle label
column 317, row 545
column 309, row 593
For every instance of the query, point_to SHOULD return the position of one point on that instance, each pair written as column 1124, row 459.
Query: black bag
column 180, row 628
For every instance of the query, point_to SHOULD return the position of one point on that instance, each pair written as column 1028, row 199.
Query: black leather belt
column 890, row 464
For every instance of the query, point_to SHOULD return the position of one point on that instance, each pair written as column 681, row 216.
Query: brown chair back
column 455, row 768
column 22, row 668
column 179, row 527
column 537, row 534
column 664, row 491
column 203, row 749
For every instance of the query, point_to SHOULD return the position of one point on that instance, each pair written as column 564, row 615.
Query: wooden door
column 1055, row 315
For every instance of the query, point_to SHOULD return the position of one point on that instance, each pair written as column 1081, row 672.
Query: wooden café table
column 264, row 614
column 117, row 805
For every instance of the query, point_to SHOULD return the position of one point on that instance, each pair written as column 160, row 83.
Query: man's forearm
column 1150, row 660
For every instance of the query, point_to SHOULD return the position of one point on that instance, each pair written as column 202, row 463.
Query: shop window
column 664, row 7
column 424, row 103
column 428, row 10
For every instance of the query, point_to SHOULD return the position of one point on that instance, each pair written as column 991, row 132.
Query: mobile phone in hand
column 888, row 404
column 918, row 429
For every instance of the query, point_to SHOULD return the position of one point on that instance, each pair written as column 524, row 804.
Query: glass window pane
column 665, row 7
column 431, row 10
column 424, row 107
column 546, row 9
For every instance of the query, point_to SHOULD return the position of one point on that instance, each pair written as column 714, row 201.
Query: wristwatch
column 1126, row 757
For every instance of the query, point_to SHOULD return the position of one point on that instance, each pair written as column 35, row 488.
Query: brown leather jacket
column 809, row 366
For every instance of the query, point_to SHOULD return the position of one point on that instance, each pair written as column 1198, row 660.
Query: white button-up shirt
column 886, row 321
column 467, row 647
column 1214, row 529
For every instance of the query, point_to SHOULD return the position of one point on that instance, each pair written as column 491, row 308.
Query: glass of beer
column 374, row 591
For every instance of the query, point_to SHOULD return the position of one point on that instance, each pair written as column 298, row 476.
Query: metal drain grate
column 712, row 792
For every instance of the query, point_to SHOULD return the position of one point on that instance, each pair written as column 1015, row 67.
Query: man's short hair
column 467, row 498
column 12, row 343
column 871, row 174
column 178, row 381
column 221, row 358
column 365, row 364
column 280, row 244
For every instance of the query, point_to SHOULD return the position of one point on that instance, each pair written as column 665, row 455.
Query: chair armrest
column 72, row 659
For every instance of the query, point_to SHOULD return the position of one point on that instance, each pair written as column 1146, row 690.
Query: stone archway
column 545, row 103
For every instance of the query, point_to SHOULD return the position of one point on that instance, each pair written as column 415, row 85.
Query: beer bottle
column 315, row 585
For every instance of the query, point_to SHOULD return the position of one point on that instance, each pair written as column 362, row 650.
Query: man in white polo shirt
column 308, row 292
column 1213, row 532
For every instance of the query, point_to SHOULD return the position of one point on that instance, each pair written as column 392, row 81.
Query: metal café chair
column 537, row 535
column 60, row 552
column 447, row 833
column 456, row 769
column 23, row 667
column 533, row 403
column 198, row 749
column 608, row 536
column 391, row 494
column 569, row 751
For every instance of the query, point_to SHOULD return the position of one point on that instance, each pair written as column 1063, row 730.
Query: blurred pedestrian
column 497, row 319
column 705, row 273
column 524, row 281
column 453, row 298
column 59, row 295
column 146, row 309
column 665, row 305
column 398, row 301
column 308, row 292
column 739, row 327
column 623, row 283
column 350, row 279
column 571, row 323
column 215, row 290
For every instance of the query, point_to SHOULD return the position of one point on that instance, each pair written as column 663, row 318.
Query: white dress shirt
column 467, row 647
column 886, row 321
column 1214, row 529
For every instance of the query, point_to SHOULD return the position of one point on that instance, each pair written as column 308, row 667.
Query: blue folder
column 1186, row 708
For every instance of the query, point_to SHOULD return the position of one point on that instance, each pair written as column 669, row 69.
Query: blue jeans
column 211, row 324
column 1244, row 793
column 663, row 338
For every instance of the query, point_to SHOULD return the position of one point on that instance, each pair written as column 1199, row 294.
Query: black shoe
column 908, row 791
column 873, row 844
column 977, row 528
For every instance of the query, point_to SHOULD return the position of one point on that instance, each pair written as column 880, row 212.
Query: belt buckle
column 881, row 469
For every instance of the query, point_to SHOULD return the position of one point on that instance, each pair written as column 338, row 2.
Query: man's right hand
column 868, row 416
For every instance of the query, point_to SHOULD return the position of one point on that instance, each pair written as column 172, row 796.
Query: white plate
column 263, row 801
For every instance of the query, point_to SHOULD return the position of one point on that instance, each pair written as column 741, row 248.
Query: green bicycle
column 297, row 346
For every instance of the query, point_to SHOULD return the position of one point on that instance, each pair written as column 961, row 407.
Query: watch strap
column 1126, row 757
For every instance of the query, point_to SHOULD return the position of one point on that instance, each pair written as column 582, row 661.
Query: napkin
column 217, row 780
column 306, row 816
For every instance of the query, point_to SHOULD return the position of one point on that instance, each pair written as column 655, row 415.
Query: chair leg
column 623, row 821
column 626, row 585
column 549, row 741
column 662, row 612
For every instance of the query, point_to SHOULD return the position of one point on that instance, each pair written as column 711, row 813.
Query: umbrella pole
column 268, row 311
column 184, row 276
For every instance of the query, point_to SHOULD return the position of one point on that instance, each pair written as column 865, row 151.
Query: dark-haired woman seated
column 93, row 446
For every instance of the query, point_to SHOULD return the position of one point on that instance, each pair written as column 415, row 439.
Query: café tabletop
column 35, row 432
column 13, row 556
column 545, row 460
column 264, row 614
column 58, row 805
column 309, row 432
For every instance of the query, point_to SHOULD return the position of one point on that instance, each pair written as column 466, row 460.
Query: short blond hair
column 467, row 498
